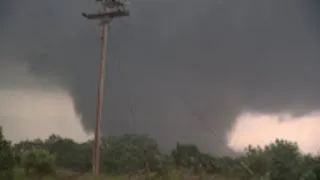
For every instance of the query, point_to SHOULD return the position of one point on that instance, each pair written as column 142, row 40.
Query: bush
column 6, row 158
column 38, row 163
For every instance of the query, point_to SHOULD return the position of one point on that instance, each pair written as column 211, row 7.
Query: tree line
column 139, row 155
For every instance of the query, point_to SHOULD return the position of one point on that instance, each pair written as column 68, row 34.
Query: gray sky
column 184, row 67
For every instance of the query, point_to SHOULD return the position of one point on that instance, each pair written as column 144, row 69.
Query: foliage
column 38, row 162
column 69, row 154
column 279, row 160
column 6, row 158
column 129, row 153
column 139, row 155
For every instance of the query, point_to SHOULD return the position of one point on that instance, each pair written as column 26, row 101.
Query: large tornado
column 210, row 72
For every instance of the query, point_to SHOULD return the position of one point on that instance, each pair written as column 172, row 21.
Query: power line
column 110, row 10
column 129, row 97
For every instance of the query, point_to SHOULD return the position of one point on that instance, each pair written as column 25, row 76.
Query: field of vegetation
column 137, row 157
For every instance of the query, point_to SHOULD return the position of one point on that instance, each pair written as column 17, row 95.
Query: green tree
column 133, row 154
column 6, row 158
column 129, row 153
column 69, row 154
column 185, row 154
column 279, row 159
column 38, row 163
column 23, row 146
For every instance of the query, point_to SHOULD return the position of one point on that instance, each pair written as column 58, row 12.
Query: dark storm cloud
column 184, row 67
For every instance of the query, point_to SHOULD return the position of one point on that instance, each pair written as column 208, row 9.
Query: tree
column 38, row 162
column 6, row 158
column 133, row 154
column 185, row 154
column 279, row 159
column 129, row 153
column 23, row 146
column 69, row 154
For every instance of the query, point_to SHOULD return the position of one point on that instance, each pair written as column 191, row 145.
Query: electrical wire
column 127, row 92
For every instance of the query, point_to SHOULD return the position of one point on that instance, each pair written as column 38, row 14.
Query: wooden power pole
column 110, row 10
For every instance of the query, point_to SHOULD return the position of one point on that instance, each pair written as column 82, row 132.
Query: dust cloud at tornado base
column 191, row 74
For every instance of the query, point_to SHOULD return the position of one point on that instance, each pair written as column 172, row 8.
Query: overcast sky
column 179, row 70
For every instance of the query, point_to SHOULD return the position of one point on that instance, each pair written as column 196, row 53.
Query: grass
column 173, row 175
column 19, row 175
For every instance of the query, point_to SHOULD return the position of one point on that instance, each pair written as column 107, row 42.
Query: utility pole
column 110, row 10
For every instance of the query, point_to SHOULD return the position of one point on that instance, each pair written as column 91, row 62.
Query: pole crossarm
column 112, row 9
column 102, row 15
